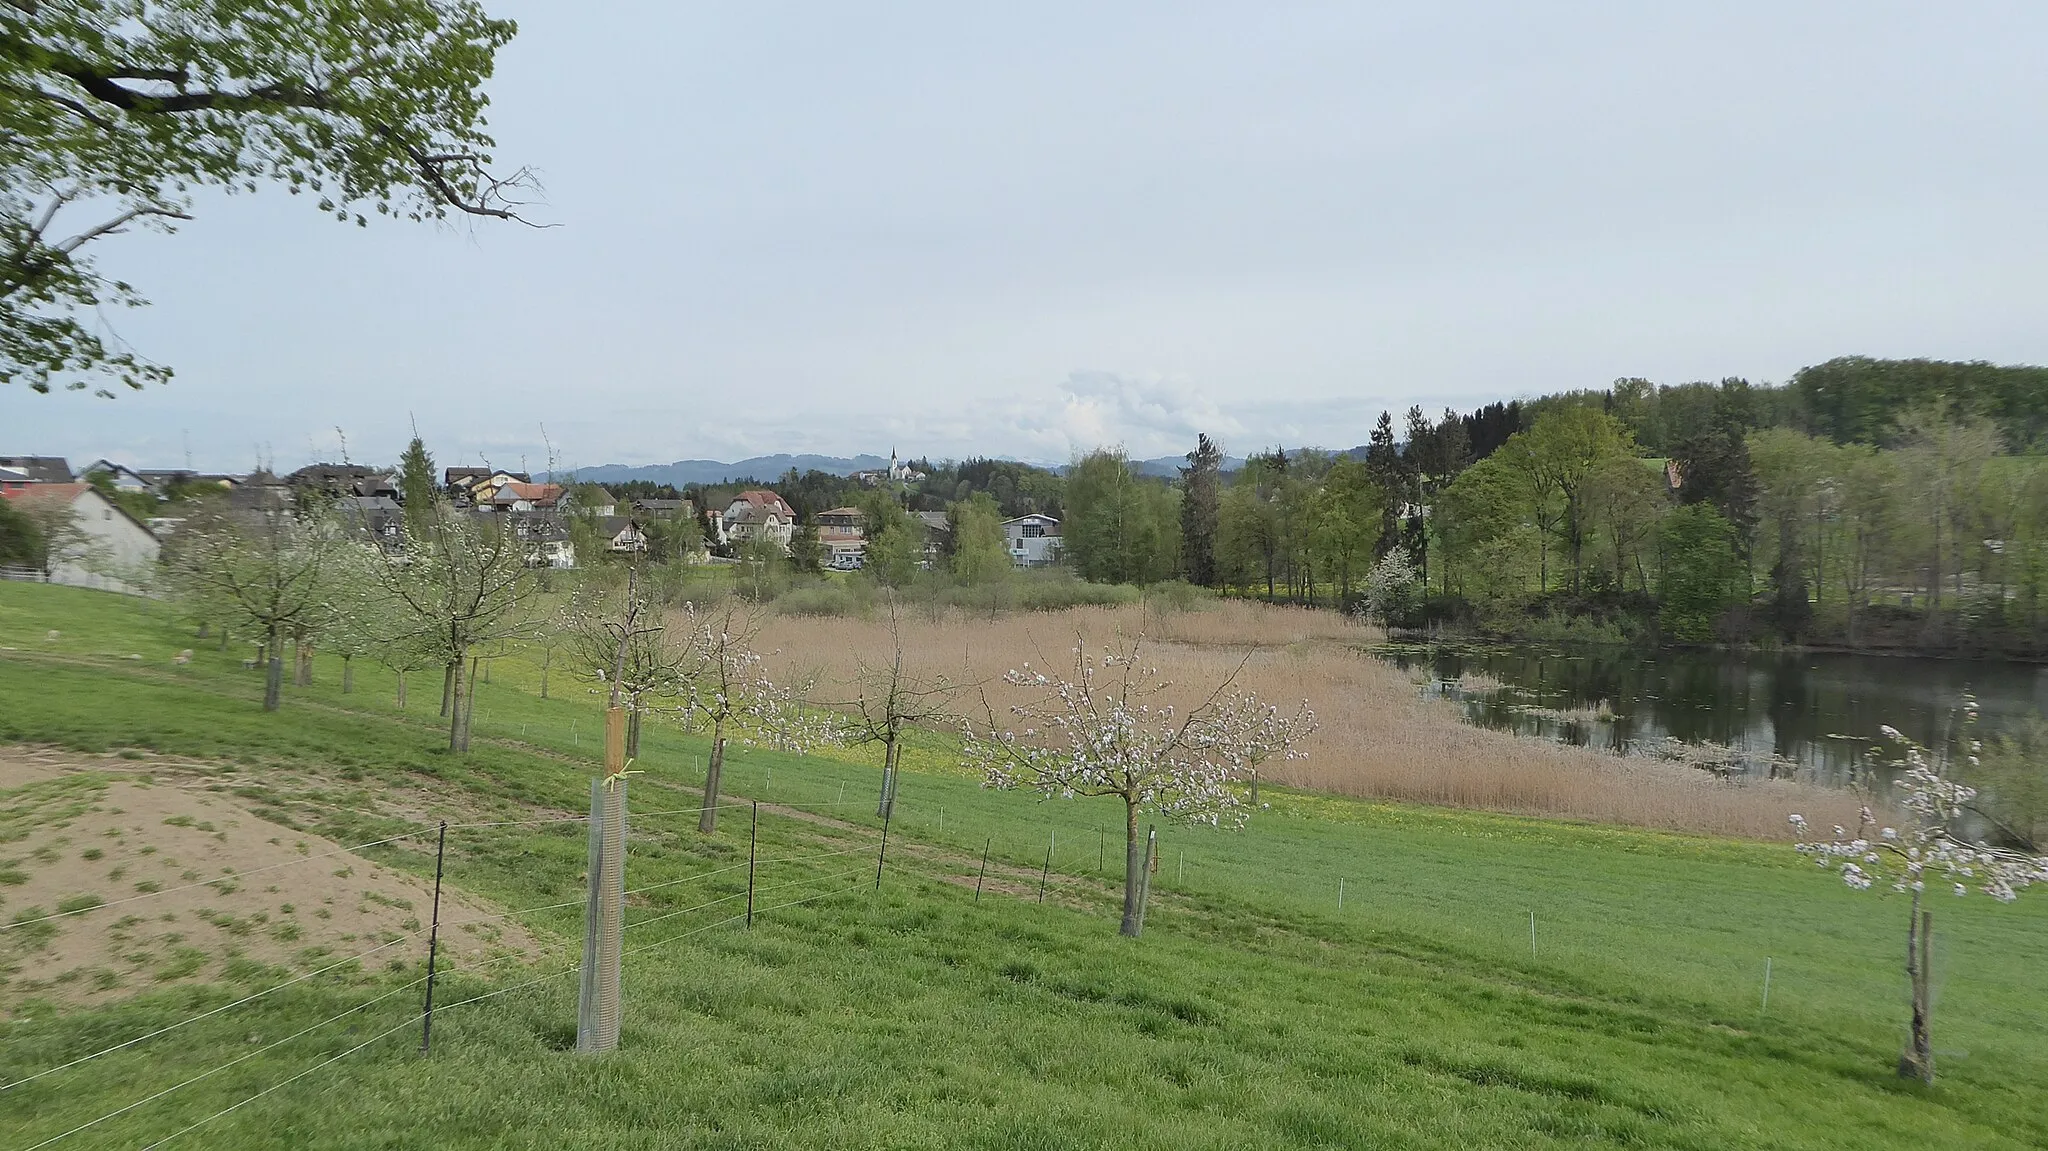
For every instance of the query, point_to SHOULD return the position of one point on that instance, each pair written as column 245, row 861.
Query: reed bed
column 1377, row 738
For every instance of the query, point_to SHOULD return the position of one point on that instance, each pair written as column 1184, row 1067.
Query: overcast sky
column 1026, row 230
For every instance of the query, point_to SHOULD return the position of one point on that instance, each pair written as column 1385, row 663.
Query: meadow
column 1491, row 979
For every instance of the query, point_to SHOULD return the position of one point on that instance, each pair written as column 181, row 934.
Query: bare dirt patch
column 165, row 881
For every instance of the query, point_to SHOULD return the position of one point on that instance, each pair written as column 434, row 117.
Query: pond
column 1814, row 715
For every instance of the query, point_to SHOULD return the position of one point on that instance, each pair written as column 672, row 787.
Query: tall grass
column 1377, row 737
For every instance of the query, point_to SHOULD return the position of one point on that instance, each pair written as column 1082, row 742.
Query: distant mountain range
column 771, row 468
column 764, row 468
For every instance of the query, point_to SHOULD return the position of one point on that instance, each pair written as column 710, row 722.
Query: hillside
column 1490, row 981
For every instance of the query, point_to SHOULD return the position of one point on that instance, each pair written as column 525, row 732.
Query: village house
column 665, row 508
column 162, row 480
column 543, row 534
column 1033, row 540
column 104, row 548
column 842, row 538
column 622, row 534
column 938, row 537
column 515, row 496
column 467, row 486
column 759, row 514
column 380, row 517
column 18, row 472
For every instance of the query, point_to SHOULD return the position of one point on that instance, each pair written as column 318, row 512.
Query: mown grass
column 1253, row 1014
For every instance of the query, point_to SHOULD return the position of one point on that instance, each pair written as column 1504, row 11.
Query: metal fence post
column 433, row 942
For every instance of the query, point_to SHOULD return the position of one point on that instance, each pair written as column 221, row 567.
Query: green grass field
column 1254, row 1012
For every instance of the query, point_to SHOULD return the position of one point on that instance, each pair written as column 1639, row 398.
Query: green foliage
column 21, row 539
column 1200, row 505
column 981, row 554
column 806, row 553
column 125, row 107
column 2011, row 777
column 1255, row 1014
column 1699, row 573
column 895, row 540
column 1855, row 399
column 1120, row 527
column 419, row 488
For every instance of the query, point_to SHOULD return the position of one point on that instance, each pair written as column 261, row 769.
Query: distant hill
column 1169, row 467
column 765, row 468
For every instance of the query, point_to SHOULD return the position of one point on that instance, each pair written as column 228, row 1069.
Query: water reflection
column 1815, row 715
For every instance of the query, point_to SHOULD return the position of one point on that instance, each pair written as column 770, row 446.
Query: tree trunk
column 466, row 703
column 633, row 730
column 1918, row 1060
column 546, row 655
column 451, row 703
column 273, row 676
column 348, row 674
column 223, row 638
column 305, row 669
column 707, row 820
column 888, row 799
column 401, row 690
column 1255, row 787
column 1134, row 873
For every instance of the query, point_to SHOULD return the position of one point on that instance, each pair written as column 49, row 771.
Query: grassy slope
column 1254, row 1013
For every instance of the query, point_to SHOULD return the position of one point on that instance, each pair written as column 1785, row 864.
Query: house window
column 1034, row 531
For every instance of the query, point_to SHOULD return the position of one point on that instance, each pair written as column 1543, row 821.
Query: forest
column 1893, row 504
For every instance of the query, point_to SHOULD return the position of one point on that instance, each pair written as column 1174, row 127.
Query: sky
column 1030, row 230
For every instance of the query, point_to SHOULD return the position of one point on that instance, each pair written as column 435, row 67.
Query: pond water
column 1812, row 715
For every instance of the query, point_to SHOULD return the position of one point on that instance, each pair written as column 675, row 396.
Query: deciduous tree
column 114, row 112
column 1930, row 847
column 1106, row 729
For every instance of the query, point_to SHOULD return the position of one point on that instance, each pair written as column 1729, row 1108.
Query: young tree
column 1200, row 505
column 887, row 698
column 464, row 585
column 263, row 569
column 724, row 689
column 1929, row 847
column 619, row 639
column 1390, row 586
column 1105, row 730
column 120, row 108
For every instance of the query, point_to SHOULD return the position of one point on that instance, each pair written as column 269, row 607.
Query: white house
column 759, row 513
column 1034, row 540
column 105, row 548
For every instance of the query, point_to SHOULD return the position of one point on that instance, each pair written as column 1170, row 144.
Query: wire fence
column 837, row 881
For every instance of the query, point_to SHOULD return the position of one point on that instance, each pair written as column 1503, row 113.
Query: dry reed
column 1377, row 737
